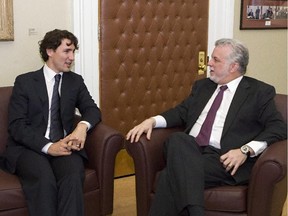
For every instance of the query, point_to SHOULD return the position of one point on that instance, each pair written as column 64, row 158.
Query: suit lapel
column 64, row 91
column 202, row 99
column 41, row 89
column 206, row 94
column 239, row 98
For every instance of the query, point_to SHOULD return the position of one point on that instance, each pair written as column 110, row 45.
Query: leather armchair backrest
column 281, row 104
column 5, row 94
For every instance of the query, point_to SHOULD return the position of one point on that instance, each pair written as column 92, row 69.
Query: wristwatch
column 245, row 150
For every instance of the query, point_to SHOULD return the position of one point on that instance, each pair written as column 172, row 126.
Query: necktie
column 205, row 132
column 56, row 128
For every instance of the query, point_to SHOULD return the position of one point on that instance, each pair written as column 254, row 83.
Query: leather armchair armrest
column 148, row 160
column 102, row 145
column 269, row 169
column 149, row 152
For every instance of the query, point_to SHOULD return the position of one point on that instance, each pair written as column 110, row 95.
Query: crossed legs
column 189, row 170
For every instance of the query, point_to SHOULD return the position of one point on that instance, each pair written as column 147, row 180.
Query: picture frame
column 263, row 14
column 6, row 20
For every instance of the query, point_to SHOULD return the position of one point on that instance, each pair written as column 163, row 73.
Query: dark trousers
column 53, row 186
column 189, row 170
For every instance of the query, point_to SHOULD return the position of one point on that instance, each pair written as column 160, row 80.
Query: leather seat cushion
column 12, row 196
column 223, row 198
column 226, row 198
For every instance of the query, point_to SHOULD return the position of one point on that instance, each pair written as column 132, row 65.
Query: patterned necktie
column 56, row 128
column 203, row 137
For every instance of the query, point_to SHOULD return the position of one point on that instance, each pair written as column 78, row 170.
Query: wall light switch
column 32, row 31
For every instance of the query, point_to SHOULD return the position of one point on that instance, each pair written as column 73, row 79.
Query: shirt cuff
column 160, row 121
column 257, row 146
column 87, row 123
column 46, row 147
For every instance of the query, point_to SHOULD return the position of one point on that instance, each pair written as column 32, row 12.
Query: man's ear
column 234, row 67
column 49, row 52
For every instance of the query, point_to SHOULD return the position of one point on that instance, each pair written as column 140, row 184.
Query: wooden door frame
column 87, row 59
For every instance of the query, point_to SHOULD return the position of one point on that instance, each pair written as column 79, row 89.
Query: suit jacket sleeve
column 29, row 106
column 252, row 114
column 28, row 111
column 76, row 95
column 186, row 113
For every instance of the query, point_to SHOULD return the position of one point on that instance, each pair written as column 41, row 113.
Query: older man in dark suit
column 44, row 149
column 220, row 143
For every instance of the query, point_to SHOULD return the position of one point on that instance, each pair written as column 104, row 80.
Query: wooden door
column 148, row 59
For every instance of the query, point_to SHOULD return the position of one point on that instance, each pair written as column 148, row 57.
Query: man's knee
column 179, row 140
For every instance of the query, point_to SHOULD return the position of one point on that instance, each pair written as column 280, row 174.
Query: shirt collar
column 232, row 85
column 49, row 73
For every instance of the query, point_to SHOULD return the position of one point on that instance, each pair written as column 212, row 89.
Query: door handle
column 201, row 63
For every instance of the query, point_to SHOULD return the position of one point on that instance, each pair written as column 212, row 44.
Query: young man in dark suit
column 44, row 148
column 218, row 150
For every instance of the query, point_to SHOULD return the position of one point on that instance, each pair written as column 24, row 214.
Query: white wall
column 22, row 55
column 87, row 59
column 219, row 25
column 268, row 53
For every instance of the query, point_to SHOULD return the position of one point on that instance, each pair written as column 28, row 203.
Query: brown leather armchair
column 102, row 145
column 264, row 196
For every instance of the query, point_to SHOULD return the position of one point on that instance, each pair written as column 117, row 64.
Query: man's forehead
column 67, row 43
column 222, row 50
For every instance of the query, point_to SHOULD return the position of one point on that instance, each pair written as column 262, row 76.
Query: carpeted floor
column 124, row 197
column 125, row 201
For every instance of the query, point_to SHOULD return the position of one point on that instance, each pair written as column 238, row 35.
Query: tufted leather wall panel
column 148, row 56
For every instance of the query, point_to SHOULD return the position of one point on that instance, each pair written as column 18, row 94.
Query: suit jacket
column 29, row 107
column 251, row 116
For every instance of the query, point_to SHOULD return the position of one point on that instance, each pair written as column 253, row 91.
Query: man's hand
column 78, row 137
column 60, row 148
column 232, row 160
column 145, row 127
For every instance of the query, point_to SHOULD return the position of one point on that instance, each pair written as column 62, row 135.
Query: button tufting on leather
column 148, row 57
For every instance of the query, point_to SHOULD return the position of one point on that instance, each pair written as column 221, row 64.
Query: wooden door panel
column 148, row 56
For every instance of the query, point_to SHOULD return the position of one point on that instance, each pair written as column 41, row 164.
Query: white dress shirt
column 218, row 125
column 49, row 76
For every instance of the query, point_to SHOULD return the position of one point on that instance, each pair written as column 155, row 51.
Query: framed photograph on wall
column 6, row 20
column 263, row 14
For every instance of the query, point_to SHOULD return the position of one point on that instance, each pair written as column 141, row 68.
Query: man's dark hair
column 53, row 39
